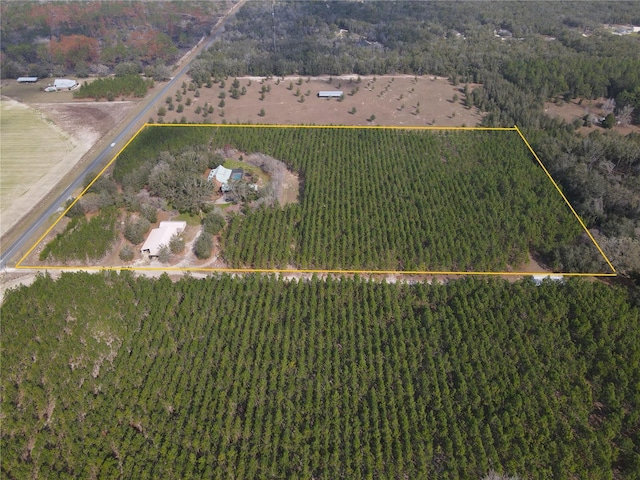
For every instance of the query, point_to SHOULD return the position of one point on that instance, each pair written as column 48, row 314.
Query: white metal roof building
column 330, row 93
column 220, row 173
column 62, row 83
column 161, row 236
column 27, row 79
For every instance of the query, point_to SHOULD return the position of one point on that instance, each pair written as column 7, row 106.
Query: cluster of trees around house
column 173, row 183
column 54, row 38
column 382, row 199
column 108, row 375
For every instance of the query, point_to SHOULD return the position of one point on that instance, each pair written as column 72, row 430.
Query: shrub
column 76, row 210
column 126, row 253
column 149, row 212
column 609, row 121
column 164, row 254
column 203, row 245
column 213, row 223
column 135, row 231
column 176, row 244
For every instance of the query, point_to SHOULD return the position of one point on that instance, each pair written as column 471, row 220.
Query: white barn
column 161, row 236
column 64, row 83
column 330, row 93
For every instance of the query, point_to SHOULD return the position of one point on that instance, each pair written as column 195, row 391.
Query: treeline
column 114, row 376
column 59, row 38
column 113, row 87
column 600, row 176
column 83, row 240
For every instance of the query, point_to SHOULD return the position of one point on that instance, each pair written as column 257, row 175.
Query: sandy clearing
column 393, row 99
column 576, row 110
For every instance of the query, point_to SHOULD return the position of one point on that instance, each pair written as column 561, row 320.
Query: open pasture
column 35, row 154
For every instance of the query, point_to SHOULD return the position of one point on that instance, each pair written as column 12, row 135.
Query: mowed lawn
column 33, row 151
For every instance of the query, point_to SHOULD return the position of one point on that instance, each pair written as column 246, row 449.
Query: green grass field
column 32, row 151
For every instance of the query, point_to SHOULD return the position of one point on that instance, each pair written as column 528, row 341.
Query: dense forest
column 81, row 38
column 111, row 376
column 373, row 198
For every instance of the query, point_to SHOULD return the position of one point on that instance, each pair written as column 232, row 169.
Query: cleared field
column 34, row 155
column 392, row 100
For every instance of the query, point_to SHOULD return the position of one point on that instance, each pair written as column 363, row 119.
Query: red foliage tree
column 72, row 49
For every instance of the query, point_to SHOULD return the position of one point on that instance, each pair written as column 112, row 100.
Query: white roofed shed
column 330, row 93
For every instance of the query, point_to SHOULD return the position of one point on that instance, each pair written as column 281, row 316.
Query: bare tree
column 608, row 106
column 625, row 114
column 276, row 169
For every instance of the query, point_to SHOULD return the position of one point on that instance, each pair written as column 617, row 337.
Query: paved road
column 20, row 245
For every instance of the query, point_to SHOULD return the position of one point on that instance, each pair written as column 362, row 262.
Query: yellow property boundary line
column 322, row 271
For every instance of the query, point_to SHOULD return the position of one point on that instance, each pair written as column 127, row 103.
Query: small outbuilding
column 27, row 79
column 330, row 93
column 161, row 236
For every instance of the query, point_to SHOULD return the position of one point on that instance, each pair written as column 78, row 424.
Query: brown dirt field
column 394, row 100
column 85, row 122
column 569, row 111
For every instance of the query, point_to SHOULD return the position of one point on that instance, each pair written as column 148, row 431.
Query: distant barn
column 27, row 79
column 64, row 84
column 330, row 93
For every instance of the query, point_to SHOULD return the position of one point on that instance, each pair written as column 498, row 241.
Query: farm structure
column 330, row 93
column 27, row 79
column 161, row 236
column 62, row 84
